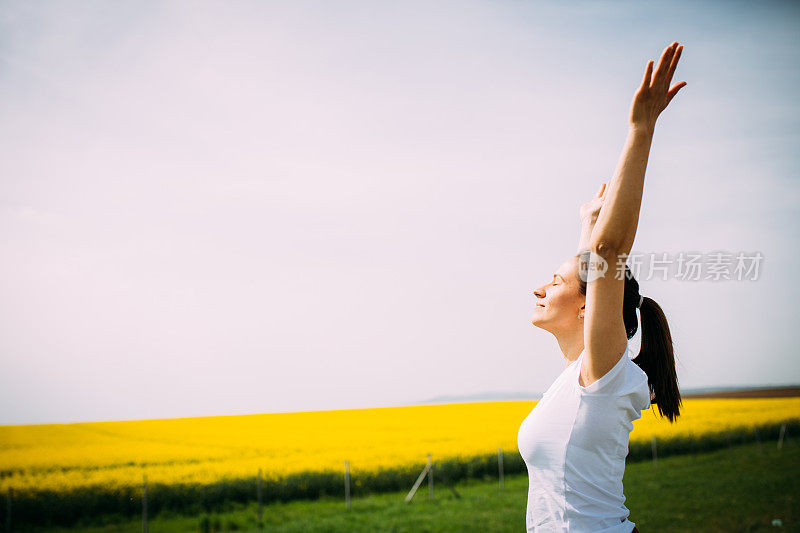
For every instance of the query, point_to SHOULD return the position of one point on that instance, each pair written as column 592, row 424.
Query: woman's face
column 559, row 303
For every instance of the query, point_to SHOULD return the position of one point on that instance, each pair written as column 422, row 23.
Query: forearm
column 587, row 225
column 616, row 224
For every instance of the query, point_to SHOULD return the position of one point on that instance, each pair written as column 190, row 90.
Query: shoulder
column 588, row 382
column 599, row 361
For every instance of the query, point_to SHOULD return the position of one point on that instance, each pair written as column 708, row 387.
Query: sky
column 212, row 208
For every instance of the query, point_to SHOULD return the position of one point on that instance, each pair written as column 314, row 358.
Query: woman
column 575, row 440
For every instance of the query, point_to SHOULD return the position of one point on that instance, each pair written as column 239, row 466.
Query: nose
column 539, row 293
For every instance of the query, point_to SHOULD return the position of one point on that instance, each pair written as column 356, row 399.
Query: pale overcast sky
column 212, row 208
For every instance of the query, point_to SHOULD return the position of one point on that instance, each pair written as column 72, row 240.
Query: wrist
column 642, row 128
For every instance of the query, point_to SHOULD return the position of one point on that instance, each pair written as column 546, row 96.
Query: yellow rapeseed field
column 207, row 449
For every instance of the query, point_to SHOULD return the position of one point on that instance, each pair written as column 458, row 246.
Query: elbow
column 604, row 248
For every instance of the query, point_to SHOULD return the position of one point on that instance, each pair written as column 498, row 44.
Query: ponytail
column 657, row 359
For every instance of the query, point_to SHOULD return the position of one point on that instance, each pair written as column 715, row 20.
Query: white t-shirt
column 574, row 443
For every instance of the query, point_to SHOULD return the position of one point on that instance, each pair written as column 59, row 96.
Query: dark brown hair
column 656, row 356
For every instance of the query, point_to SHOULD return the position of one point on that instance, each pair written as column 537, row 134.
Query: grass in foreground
column 743, row 488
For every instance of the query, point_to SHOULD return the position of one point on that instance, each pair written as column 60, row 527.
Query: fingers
column 659, row 68
column 675, row 88
column 674, row 63
column 663, row 63
column 600, row 190
column 647, row 73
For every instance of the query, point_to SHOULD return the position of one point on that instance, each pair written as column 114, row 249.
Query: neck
column 571, row 344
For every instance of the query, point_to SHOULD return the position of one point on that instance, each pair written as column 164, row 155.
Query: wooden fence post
column 500, row 466
column 347, row 484
column 144, row 503
column 653, row 445
column 780, row 437
column 430, row 477
column 259, row 495
column 417, row 483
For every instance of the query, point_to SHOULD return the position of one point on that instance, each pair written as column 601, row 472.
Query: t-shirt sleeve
column 636, row 393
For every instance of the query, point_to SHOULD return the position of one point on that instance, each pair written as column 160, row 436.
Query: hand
column 654, row 95
column 591, row 209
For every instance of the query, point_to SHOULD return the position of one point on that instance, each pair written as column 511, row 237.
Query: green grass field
column 743, row 488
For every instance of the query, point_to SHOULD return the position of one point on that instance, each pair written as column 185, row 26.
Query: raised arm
column 612, row 238
column 616, row 225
